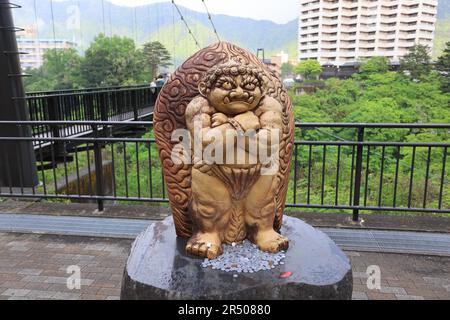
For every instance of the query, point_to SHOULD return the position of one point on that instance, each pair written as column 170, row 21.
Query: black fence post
column 98, row 169
column 134, row 102
column 54, row 114
column 358, row 174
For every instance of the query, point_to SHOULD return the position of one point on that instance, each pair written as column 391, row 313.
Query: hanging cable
column 110, row 20
column 81, row 29
column 211, row 20
column 174, row 35
column 135, row 25
column 53, row 23
column 158, row 22
column 186, row 24
column 37, row 37
column 103, row 17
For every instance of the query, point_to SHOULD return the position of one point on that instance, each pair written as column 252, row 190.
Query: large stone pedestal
column 158, row 268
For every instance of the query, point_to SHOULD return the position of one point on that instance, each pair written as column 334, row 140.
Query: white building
column 35, row 49
column 341, row 31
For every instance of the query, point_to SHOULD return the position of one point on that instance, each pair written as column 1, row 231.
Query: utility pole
column 17, row 158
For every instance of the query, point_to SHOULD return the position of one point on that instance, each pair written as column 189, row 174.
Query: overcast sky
column 280, row 11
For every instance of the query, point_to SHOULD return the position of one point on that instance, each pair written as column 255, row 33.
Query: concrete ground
column 36, row 267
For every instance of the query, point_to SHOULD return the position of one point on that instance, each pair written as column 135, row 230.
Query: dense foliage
column 308, row 69
column 109, row 61
column 376, row 95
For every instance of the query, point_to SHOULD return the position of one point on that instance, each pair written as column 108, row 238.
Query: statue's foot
column 205, row 245
column 271, row 241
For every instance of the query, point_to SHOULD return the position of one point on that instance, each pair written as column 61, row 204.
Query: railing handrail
column 84, row 92
column 90, row 89
column 297, row 124
column 373, row 125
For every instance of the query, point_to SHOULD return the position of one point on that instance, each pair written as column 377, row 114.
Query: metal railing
column 335, row 167
column 91, row 104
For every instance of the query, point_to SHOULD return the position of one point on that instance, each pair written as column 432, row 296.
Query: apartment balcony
column 367, row 54
column 347, row 45
column 347, row 54
column 426, row 27
column 328, row 54
column 309, row 35
column 329, row 37
column 429, row 10
column 407, row 19
column 427, row 18
column 389, row 10
column 349, row 5
column 365, row 46
column 309, row 47
column 330, row 5
column 328, row 46
column 311, row 5
column 427, row 35
column 386, row 19
column 406, row 28
column 368, row 28
column 365, row 36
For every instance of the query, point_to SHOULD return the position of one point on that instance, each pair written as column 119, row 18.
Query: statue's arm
column 270, row 115
column 199, row 120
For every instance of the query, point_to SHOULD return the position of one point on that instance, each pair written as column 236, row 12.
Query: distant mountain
column 161, row 22
column 442, row 27
column 154, row 22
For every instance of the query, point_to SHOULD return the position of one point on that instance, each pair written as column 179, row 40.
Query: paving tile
column 31, row 272
column 357, row 295
column 40, row 272
column 394, row 290
column 16, row 292
column 407, row 297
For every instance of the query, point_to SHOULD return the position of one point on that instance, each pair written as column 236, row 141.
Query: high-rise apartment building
column 341, row 31
column 35, row 49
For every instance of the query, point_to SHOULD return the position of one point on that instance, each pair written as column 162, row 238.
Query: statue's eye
column 250, row 86
column 227, row 85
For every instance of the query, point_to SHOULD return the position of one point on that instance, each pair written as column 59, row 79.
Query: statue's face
column 233, row 95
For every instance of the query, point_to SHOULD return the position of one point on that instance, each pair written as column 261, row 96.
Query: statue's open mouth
column 228, row 100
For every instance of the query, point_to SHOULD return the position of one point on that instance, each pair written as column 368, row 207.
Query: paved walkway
column 349, row 239
column 35, row 267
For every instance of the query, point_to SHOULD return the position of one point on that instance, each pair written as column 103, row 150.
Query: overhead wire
column 211, row 21
column 103, row 17
column 37, row 37
column 186, row 24
column 53, row 23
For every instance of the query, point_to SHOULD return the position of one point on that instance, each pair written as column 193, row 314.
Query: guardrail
column 357, row 173
column 91, row 104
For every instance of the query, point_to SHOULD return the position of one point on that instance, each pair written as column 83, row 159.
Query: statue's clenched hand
column 248, row 121
column 218, row 119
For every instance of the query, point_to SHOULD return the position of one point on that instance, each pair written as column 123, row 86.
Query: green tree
column 308, row 69
column 286, row 69
column 443, row 66
column 374, row 65
column 112, row 61
column 417, row 63
column 156, row 56
column 60, row 70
